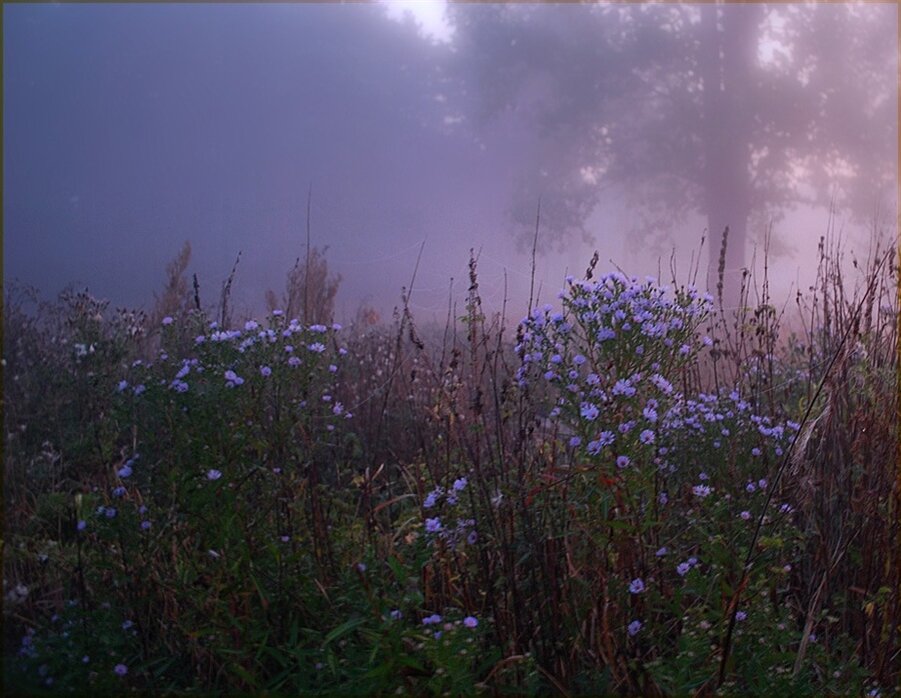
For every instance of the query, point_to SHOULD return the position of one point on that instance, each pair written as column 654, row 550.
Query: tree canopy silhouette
column 736, row 113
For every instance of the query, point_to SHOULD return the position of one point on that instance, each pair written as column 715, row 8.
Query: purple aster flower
column 470, row 622
column 634, row 627
column 433, row 525
column 740, row 616
column 701, row 491
column 745, row 515
column 460, row 484
column 589, row 411
column 661, row 551
column 213, row 474
column 636, row 586
column 120, row 670
column 432, row 619
column 682, row 568
column 396, row 614
column 623, row 462
column 646, row 436
column 265, row 371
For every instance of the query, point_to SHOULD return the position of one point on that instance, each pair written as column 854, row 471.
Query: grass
column 636, row 492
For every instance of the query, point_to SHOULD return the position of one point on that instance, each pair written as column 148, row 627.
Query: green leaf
column 343, row 629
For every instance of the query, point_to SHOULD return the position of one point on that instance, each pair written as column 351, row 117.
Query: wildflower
column 740, row 616
column 589, row 411
column 110, row 512
column 431, row 499
column 470, row 622
column 396, row 614
column 82, row 525
column 294, row 361
column 433, row 525
column 126, row 625
column 122, row 385
column 634, row 627
column 574, row 441
column 317, row 347
column 701, row 491
column 250, row 326
column 755, row 451
column 459, row 484
column 145, row 525
column 120, row 669
column 661, row 551
column 472, row 538
column 750, row 487
column 636, row 586
column 213, row 474
column 682, row 568
column 361, row 567
column 432, row 619
column 167, row 320
column 745, row 515
column 233, row 378
column 646, row 436
column 692, row 561
column 622, row 461
column 662, row 498
column 265, row 371
column 125, row 471
column 119, row 492
column 437, row 634
column 762, row 483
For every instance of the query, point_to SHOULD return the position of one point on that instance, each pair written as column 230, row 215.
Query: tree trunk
column 728, row 49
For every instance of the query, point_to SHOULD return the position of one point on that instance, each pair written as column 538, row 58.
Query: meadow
column 630, row 492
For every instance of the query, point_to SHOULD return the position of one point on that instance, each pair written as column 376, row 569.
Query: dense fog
column 640, row 129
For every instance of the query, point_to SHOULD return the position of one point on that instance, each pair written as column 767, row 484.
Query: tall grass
column 636, row 491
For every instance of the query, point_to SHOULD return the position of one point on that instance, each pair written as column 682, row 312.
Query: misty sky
column 129, row 129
